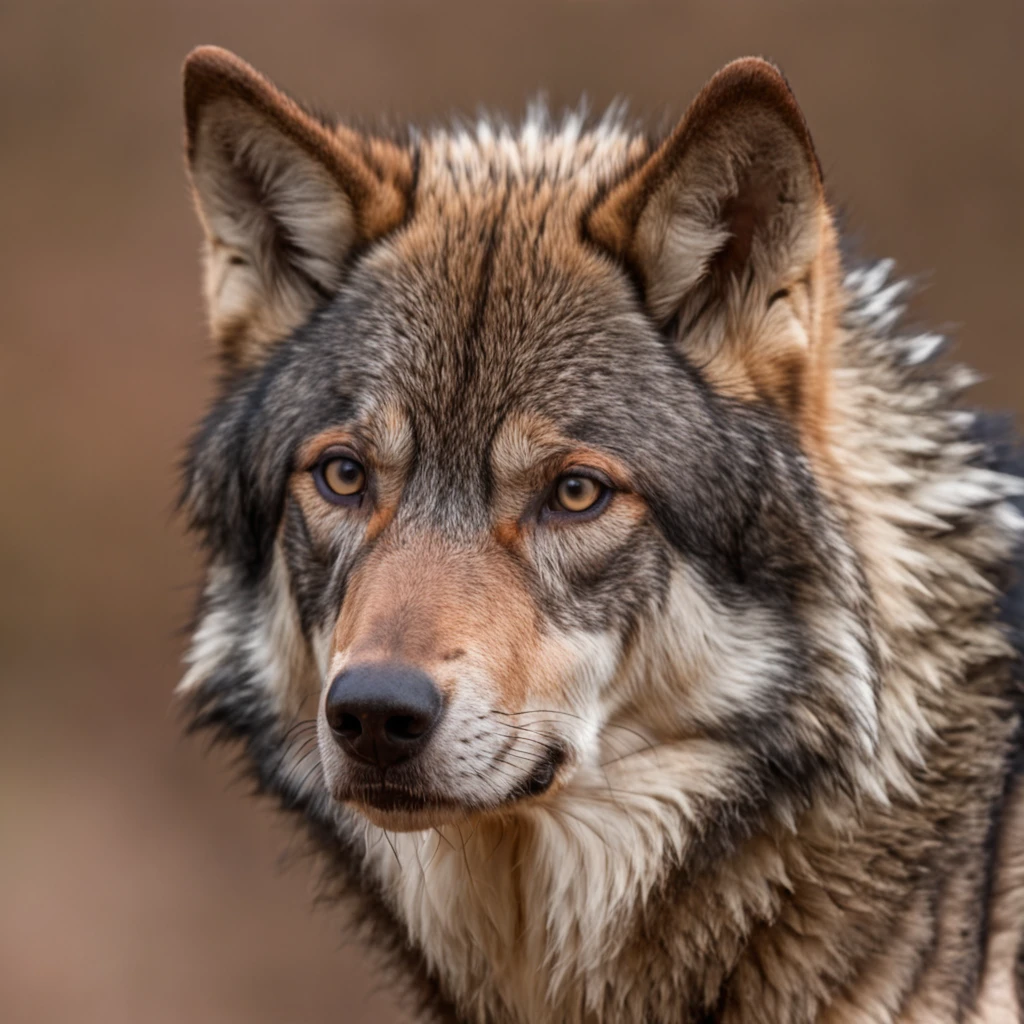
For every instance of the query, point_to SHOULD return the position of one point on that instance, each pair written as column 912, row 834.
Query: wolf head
column 520, row 463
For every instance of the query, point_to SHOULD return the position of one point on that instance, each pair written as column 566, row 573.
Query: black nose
column 383, row 713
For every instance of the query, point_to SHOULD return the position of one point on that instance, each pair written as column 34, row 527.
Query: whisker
column 530, row 742
column 289, row 776
column 393, row 850
column 524, row 758
column 416, row 852
column 289, row 748
column 308, row 775
column 535, row 732
column 554, row 739
column 496, row 762
column 652, row 746
column 557, row 739
column 298, row 725
column 501, row 839
column 568, row 714
column 441, row 835
column 437, row 848
column 304, row 747
column 648, row 744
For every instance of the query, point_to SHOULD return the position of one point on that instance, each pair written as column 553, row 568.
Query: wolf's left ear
column 727, row 228
column 283, row 199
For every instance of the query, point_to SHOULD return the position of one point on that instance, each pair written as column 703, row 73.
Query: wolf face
column 515, row 463
column 563, row 507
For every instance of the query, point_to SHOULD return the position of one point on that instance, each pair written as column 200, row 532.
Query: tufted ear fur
column 283, row 200
column 727, row 228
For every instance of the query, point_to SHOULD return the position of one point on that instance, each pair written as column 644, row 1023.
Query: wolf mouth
column 540, row 780
column 383, row 794
column 384, row 797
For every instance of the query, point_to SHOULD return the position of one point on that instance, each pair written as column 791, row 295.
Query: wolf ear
column 283, row 200
column 727, row 228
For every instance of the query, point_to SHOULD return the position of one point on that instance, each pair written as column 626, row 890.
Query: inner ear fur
column 283, row 199
column 727, row 227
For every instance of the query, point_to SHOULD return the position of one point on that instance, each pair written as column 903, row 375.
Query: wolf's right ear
column 283, row 200
column 727, row 229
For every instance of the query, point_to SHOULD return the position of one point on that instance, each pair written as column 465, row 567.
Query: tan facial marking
column 509, row 534
column 530, row 448
column 420, row 601
column 312, row 449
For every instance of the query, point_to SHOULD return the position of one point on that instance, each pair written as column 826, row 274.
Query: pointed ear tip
column 210, row 56
column 754, row 65
column 204, row 61
column 753, row 75
column 211, row 69
column 756, row 81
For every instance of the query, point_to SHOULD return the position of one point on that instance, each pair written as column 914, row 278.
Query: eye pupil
column 577, row 493
column 343, row 477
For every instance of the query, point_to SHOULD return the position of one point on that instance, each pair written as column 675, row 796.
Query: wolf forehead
column 490, row 297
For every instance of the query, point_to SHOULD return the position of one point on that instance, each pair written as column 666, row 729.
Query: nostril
column 347, row 725
column 406, row 727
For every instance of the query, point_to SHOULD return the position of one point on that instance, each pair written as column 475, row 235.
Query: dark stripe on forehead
column 483, row 288
column 449, row 405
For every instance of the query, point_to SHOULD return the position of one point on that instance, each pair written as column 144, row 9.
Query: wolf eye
column 576, row 493
column 340, row 479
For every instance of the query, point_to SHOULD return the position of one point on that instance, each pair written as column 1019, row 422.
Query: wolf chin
column 597, row 569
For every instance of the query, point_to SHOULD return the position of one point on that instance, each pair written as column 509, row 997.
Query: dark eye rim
column 553, row 512
column 323, row 488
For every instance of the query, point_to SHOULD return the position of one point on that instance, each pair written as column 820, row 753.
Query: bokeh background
column 137, row 884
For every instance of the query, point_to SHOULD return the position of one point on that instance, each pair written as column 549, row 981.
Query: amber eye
column 575, row 493
column 340, row 479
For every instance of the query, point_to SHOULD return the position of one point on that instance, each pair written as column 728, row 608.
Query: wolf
column 611, row 585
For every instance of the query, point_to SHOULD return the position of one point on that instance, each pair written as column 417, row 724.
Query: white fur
column 523, row 910
column 213, row 639
column 569, row 152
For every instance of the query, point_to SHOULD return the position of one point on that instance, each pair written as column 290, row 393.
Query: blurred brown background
column 136, row 884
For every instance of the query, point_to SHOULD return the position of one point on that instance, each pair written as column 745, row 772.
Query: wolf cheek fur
column 696, row 570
